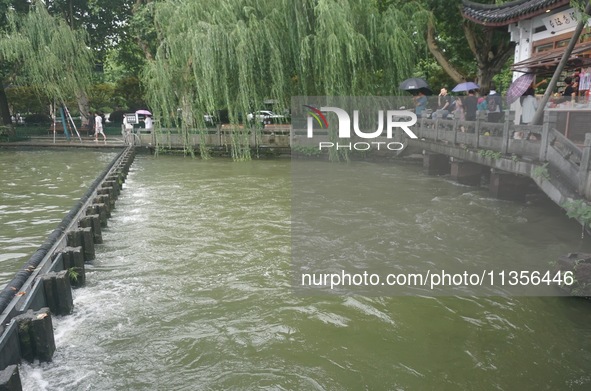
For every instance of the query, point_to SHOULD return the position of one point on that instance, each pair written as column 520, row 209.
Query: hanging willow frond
column 235, row 54
column 55, row 59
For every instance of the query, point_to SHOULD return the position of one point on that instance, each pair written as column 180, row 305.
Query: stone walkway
column 60, row 141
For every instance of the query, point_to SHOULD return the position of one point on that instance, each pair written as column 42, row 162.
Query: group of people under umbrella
column 462, row 107
column 465, row 107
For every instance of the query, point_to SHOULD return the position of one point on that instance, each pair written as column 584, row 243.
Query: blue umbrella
column 467, row 86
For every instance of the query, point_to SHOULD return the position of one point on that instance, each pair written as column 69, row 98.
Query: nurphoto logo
column 402, row 119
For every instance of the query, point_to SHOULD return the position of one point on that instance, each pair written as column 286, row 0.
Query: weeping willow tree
column 236, row 54
column 52, row 58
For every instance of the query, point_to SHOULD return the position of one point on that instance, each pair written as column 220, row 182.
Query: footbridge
column 513, row 154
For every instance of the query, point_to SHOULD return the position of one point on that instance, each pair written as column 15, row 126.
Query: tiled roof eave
column 487, row 23
column 507, row 13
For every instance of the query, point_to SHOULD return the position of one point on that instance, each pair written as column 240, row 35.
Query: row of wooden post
column 35, row 328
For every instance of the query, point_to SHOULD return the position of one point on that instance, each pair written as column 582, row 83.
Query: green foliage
column 480, row 61
column 128, row 94
column 580, row 6
column 491, row 154
column 102, row 95
column 7, row 133
column 235, row 54
column 26, row 99
column 541, row 172
column 38, row 119
column 54, row 59
column 116, row 117
column 124, row 61
column 450, row 35
column 504, row 78
column 434, row 74
column 306, row 150
column 73, row 274
column 579, row 210
column 104, row 22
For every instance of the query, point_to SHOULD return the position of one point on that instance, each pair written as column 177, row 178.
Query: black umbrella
column 415, row 84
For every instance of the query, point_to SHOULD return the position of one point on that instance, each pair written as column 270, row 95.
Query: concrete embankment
column 42, row 287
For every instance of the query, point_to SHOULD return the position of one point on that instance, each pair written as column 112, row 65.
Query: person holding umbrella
column 470, row 102
column 470, row 105
column 414, row 84
column 529, row 105
column 420, row 100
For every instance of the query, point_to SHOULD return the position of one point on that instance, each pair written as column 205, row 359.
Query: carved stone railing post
column 584, row 167
column 549, row 123
column 506, row 135
column 545, row 137
column 477, row 126
column 436, row 126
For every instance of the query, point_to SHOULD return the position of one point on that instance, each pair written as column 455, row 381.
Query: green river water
column 193, row 289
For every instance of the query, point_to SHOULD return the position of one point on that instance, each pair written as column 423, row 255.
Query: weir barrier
column 42, row 288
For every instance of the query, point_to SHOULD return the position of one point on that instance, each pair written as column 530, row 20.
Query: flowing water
column 37, row 189
column 192, row 290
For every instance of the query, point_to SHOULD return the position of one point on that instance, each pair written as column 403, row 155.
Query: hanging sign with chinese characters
column 559, row 21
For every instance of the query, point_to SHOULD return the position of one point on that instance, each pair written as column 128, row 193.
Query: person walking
column 148, row 123
column 98, row 127
column 420, row 101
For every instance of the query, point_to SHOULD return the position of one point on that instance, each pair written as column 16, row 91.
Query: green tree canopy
column 466, row 50
column 104, row 21
column 235, row 54
column 52, row 58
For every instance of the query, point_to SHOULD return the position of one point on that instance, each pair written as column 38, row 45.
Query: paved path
column 87, row 142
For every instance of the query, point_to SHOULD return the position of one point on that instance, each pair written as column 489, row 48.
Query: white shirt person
column 98, row 127
column 149, row 124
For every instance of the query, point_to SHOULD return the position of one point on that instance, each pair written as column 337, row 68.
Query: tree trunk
column 485, row 77
column 140, row 41
column 4, row 109
column 440, row 57
column 490, row 58
column 84, row 108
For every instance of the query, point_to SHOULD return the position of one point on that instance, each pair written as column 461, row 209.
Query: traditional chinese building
column 541, row 30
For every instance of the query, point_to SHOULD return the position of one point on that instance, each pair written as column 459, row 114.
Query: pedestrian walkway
column 47, row 141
